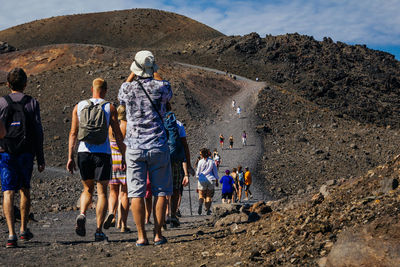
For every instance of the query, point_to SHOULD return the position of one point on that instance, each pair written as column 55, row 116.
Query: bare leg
column 86, row 196
column 149, row 206
column 8, row 209
column 113, row 199
column 137, row 207
column 123, row 196
column 159, row 207
column 101, row 208
column 25, row 205
column 207, row 204
column 240, row 194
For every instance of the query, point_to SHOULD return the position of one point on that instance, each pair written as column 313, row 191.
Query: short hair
column 17, row 79
column 239, row 168
column 99, row 84
column 121, row 110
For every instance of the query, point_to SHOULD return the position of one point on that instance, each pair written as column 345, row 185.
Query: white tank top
column 85, row 147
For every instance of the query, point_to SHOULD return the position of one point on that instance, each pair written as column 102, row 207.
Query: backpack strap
column 25, row 99
column 8, row 99
column 89, row 102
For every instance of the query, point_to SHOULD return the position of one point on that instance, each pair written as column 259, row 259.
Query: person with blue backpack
column 240, row 175
column 180, row 160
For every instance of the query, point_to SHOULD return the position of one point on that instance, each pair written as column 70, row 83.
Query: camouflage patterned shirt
column 144, row 127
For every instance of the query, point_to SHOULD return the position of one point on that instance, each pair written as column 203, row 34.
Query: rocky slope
column 144, row 28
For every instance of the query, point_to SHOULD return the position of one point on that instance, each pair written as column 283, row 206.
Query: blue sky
column 375, row 23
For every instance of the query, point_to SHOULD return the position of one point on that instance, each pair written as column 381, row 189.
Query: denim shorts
column 157, row 163
column 16, row 171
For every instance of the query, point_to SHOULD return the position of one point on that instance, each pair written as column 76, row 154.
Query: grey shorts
column 206, row 185
column 155, row 161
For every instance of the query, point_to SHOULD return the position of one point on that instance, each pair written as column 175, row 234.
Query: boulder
column 375, row 245
column 261, row 208
column 388, row 184
column 222, row 210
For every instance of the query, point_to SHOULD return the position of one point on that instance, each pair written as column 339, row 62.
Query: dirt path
column 56, row 243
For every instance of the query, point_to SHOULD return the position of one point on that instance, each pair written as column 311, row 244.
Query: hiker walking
column 231, row 142
column 240, row 177
column 91, row 120
column 207, row 176
column 228, row 187
column 244, row 138
column 147, row 149
column 247, row 183
column 239, row 111
column 118, row 198
column 235, row 179
column 233, row 104
column 221, row 141
column 217, row 159
column 23, row 141
column 180, row 160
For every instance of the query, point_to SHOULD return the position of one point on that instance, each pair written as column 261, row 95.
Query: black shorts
column 227, row 196
column 95, row 166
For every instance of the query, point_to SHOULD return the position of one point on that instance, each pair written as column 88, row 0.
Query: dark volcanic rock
column 5, row 48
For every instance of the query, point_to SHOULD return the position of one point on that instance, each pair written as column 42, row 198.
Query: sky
column 375, row 23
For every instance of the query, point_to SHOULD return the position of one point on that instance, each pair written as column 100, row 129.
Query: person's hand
column 41, row 167
column 185, row 181
column 216, row 183
column 71, row 166
column 123, row 164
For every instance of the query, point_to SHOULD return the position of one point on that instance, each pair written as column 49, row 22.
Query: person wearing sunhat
column 145, row 99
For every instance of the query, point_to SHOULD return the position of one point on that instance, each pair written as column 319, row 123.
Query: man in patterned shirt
column 147, row 149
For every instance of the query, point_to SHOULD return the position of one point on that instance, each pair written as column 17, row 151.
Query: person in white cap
column 147, row 151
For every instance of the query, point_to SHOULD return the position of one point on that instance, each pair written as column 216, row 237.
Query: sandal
column 108, row 221
column 146, row 243
column 162, row 241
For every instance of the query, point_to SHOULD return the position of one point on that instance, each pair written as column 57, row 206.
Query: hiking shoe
column 199, row 211
column 108, row 221
column 208, row 212
column 80, row 228
column 178, row 213
column 12, row 243
column 174, row 222
column 26, row 235
column 98, row 237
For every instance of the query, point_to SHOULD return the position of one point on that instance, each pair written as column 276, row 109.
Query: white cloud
column 374, row 22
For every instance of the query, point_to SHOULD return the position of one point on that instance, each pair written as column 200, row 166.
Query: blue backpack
column 177, row 152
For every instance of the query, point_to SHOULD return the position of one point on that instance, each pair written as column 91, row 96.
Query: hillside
column 144, row 28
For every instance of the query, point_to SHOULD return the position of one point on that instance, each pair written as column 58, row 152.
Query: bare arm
column 117, row 133
column 186, row 177
column 187, row 155
column 73, row 135
column 131, row 77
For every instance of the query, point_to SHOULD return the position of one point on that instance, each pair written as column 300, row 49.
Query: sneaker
column 178, row 213
column 251, row 196
column 199, row 210
column 12, row 242
column 168, row 220
column 26, row 235
column 208, row 212
column 98, row 237
column 174, row 222
column 80, row 228
column 108, row 221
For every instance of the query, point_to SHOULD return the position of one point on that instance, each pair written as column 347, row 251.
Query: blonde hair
column 99, row 84
column 121, row 110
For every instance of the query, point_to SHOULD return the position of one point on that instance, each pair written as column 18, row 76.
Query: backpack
column 19, row 137
column 241, row 176
column 177, row 152
column 93, row 126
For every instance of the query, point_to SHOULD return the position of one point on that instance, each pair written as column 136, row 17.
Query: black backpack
column 19, row 134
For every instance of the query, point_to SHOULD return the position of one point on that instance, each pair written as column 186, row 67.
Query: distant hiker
column 221, row 141
column 239, row 111
column 118, row 197
column 217, row 159
column 147, row 145
column 233, row 104
column 235, row 179
column 240, row 177
column 228, row 187
column 91, row 119
column 180, row 160
column 23, row 140
column 244, row 138
column 247, row 183
column 231, row 142
column 256, row 79
column 207, row 176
